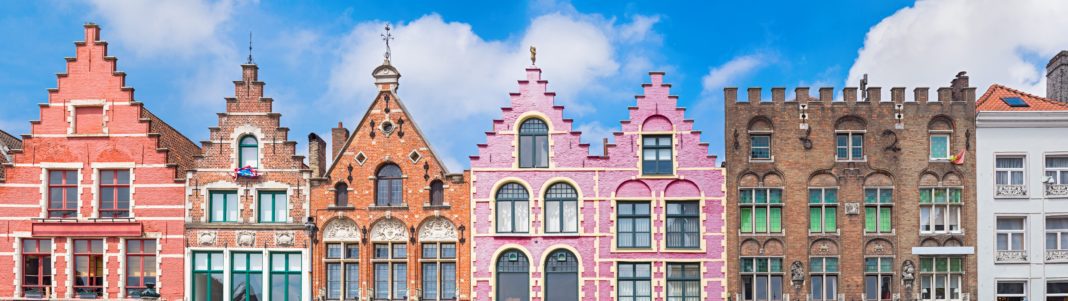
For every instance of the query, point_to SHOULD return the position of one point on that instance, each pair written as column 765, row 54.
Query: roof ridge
column 993, row 87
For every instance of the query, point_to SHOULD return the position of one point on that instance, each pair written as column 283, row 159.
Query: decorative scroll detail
column 341, row 230
column 852, row 208
column 246, row 238
column 437, row 229
column 389, row 230
column 1057, row 190
column 805, row 142
column 1011, row 190
column 893, row 143
column 1056, row 255
column 206, row 238
column 284, row 238
column 1010, row 256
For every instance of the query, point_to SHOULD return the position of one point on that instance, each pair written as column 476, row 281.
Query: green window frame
column 683, row 282
column 209, row 265
column 273, row 207
column 657, row 157
column 823, row 210
column 248, row 152
column 285, row 270
column 223, row 206
column 633, row 225
column 878, row 210
column 760, row 210
column 634, row 281
column 246, row 276
column 878, row 278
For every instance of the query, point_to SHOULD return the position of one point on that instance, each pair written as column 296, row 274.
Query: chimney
column 958, row 85
column 337, row 139
column 316, row 155
column 1057, row 77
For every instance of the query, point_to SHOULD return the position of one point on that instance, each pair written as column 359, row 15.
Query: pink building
column 551, row 222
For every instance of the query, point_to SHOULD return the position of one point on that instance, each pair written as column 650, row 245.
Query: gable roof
column 9, row 140
column 992, row 101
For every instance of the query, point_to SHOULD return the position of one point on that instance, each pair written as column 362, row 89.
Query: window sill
column 826, row 234
column 401, row 207
column 881, row 234
column 341, row 208
column 659, row 176
column 111, row 219
column 437, row 207
column 762, row 160
column 865, row 159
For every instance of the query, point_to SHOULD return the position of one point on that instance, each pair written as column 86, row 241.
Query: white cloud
column 171, row 27
column 712, row 84
column 1005, row 42
column 593, row 133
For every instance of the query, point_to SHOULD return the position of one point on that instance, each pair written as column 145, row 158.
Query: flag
column 246, row 172
column 958, row 159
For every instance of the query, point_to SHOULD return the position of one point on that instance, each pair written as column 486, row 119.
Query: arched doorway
column 513, row 276
column 561, row 276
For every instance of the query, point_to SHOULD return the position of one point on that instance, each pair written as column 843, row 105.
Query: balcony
column 1056, row 255
column 1014, row 256
column 1057, row 190
column 1010, row 191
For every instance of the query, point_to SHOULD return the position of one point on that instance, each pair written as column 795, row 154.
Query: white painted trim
column 943, row 250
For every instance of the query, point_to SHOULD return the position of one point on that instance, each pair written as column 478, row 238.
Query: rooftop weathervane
column 250, row 48
column 387, row 37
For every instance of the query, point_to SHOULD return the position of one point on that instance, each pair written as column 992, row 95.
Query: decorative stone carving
column 797, row 274
column 1011, row 191
column 284, row 238
column 437, row 229
column 206, row 238
column 1010, row 256
column 852, row 208
column 389, row 229
column 908, row 274
column 246, row 238
column 1056, row 255
column 1057, row 190
column 341, row 230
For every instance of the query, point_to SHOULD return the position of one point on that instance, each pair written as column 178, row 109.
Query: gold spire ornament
column 533, row 54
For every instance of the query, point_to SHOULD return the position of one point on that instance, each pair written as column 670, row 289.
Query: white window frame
column 947, row 208
column 949, row 144
column 948, row 276
column 1009, row 234
column 999, row 294
column 771, row 155
column 1059, row 232
column 1060, row 175
column 1046, row 288
column 849, row 146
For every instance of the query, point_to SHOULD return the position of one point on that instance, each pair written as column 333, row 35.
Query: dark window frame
column 68, row 204
column 43, row 257
column 393, row 196
column 534, row 130
column 657, row 166
column 139, row 253
column 438, row 258
column 508, row 195
column 634, row 218
column 687, row 218
column 394, row 262
column 341, row 194
column 94, row 261
column 348, row 258
column 114, row 211
column 437, row 193
column 686, row 279
column 634, row 280
column 562, row 194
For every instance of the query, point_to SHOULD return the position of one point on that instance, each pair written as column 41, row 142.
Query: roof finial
column 387, row 37
column 250, row 48
column 533, row 54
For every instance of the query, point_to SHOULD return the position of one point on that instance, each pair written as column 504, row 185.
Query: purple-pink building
column 552, row 222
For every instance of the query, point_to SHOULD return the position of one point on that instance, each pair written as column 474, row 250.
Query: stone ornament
column 437, row 229
column 389, row 229
column 797, row 274
column 285, row 238
column 246, row 238
column 206, row 238
column 341, row 230
column 1056, row 256
column 852, row 208
column 908, row 274
column 1010, row 256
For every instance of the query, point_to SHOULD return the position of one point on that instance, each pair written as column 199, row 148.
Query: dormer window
column 248, row 152
column 534, row 144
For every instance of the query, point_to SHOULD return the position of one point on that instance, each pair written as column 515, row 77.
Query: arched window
column 341, row 195
column 248, row 152
column 561, row 209
column 437, row 193
column 513, row 211
column 389, row 190
column 534, row 144
column 513, row 276
column 561, row 276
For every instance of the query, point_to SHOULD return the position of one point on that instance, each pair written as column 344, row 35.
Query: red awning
column 83, row 229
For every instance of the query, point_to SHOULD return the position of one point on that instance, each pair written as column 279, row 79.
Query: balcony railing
column 1003, row 256
column 1057, row 190
column 1056, row 255
column 1011, row 191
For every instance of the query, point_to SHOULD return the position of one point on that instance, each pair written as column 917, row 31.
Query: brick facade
column 92, row 132
column 896, row 154
column 270, row 208
column 602, row 184
column 406, row 223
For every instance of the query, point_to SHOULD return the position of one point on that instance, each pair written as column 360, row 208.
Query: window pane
column 1003, row 162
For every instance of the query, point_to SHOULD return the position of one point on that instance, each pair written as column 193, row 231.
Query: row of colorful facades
column 821, row 197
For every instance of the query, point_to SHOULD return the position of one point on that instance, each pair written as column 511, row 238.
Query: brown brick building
column 392, row 218
column 248, row 227
column 857, row 199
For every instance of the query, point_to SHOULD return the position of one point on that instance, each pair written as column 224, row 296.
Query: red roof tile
column 991, row 101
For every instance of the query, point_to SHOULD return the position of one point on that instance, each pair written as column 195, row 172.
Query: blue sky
column 459, row 60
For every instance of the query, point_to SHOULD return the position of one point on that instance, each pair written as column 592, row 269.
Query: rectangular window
column 1010, row 233
column 683, row 282
column 824, row 278
column 823, row 210
column 1009, row 170
column 762, row 278
column 849, row 146
column 89, row 268
column 114, row 193
column 656, row 155
column 633, row 227
column 246, row 276
column 878, row 210
column 36, row 268
column 285, row 276
column 1057, row 233
column 634, row 282
column 878, row 278
column 223, row 206
column 760, row 147
column 1057, row 169
column 940, row 210
column 89, row 120
column 62, row 193
column 439, row 271
column 939, row 147
column 941, row 278
column 683, row 225
column 390, row 271
column 1056, row 290
column 1012, row 291
column 274, row 208
column 207, row 276
column 760, row 210
column 140, row 265
column 342, row 271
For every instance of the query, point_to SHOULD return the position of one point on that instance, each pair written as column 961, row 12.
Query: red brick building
column 392, row 218
column 238, row 226
column 93, row 200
